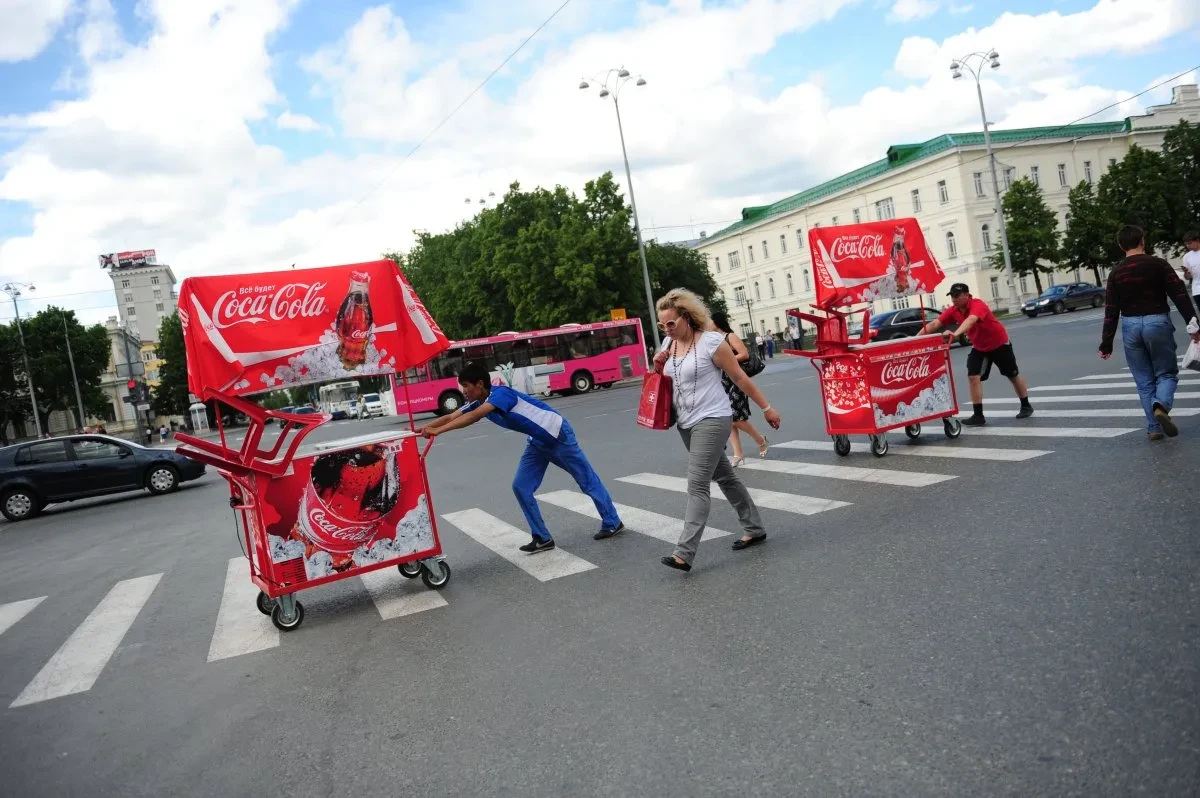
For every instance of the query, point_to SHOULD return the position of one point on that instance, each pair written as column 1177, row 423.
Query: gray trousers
column 707, row 462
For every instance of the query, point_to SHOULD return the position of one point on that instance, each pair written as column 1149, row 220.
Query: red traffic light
column 131, row 384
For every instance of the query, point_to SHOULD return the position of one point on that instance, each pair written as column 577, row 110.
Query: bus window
column 480, row 354
column 608, row 340
column 580, row 345
column 419, row 374
column 517, row 353
column 447, row 364
column 543, row 350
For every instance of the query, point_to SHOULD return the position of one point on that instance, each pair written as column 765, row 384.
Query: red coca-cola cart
column 867, row 387
column 312, row 513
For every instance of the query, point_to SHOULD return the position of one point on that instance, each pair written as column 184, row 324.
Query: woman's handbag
column 656, row 410
column 754, row 364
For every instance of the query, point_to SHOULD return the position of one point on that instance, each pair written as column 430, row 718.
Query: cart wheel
column 841, row 445
column 409, row 570
column 952, row 426
column 265, row 603
column 913, row 431
column 277, row 617
column 439, row 580
column 879, row 445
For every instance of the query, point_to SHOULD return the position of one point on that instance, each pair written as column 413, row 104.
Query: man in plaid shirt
column 1138, row 289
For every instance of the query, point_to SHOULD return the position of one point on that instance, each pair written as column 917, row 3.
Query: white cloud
column 29, row 26
column 910, row 10
column 706, row 136
column 289, row 121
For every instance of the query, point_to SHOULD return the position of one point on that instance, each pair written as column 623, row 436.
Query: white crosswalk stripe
column 241, row 628
column 1183, row 375
column 772, row 500
column 10, row 614
column 1106, row 397
column 926, row 450
column 396, row 596
column 503, row 539
column 1048, row 432
column 1086, row 386
column 645, row 522
column 879, row 476
column 1092, row 412
column 77, row 664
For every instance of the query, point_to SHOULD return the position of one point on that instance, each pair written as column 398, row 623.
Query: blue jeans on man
column 1153, row 361
column 567, row 455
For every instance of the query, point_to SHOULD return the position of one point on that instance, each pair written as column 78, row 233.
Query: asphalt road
column 1020, row 622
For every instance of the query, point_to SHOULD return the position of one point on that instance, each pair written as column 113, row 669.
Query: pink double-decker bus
column 573, row 358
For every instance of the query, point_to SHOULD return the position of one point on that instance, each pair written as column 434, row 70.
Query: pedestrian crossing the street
column 793, row 482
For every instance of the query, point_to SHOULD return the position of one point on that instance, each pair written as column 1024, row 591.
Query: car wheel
column 1097, row 301
column 19, row 504
column 1031, row 314
column 162, row 479
column 1058, row 307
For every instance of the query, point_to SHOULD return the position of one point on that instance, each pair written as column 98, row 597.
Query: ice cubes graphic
column 885, row 288
column 319, row 565
column 936, row 398
column 321, row 362
column 414, row 533
column 283, row 550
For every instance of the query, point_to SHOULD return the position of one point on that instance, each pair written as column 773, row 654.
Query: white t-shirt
column 696, row 382
column 1191, row 260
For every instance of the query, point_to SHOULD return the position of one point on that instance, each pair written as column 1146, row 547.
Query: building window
column 1087, row 171
column 799, row 239
column 986, row 233
column 153, row 281
column 746, row 329
column 1024, row 284
column 717, row 263
column 1008, row 177
column 782, row 244
column 790, row 287
column 899, row 303
column 995, row 287
column 124, row 283
column 130, row 311
column 757, row 292
column 857, row 216
column 1062, row 175
column 834, row 222
column 943, row 192
column 777, row 327
column 977, row 178
column 735, row 260
column 1112, row 162
column 739, row 295
column 750, row 254
column 766, row 252
column 1035, row 174
column 158, row 293
column 771, row 286
column 951, row 246
column 916, row 200
column 128, row 296
column 147, row 357
column 885, row 209
column 807, row 283
column 159, row 307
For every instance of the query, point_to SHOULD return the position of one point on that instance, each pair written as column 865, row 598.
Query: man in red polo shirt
column 990, row 346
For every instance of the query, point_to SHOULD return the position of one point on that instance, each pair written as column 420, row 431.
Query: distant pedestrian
column 762, row 346
column 694, row 357
column 989, row 346
column 1191, row 265
column 162, row 434
column 770, row 344
column 1137, row 294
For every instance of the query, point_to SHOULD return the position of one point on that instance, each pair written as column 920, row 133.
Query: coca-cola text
column 903, row 371
column 285, row 303
column 859, row 247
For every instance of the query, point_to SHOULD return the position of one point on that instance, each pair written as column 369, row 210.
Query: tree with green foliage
column 1090, row 239
column 14, row 397
column 1032, row 230
column 543, row 258
column 171, row 396
column 1143, row 190
column 46, row 334
column 1181, row 153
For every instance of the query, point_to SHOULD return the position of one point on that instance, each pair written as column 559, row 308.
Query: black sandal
column 671, row 562
column 740, row 544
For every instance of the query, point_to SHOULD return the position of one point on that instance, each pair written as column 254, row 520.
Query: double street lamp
column 974, row 64
column 14, row 292
column 610, row 86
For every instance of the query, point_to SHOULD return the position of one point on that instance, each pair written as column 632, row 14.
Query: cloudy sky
column 239, row 135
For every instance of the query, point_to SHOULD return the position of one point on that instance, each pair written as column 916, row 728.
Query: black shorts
column 979, row 364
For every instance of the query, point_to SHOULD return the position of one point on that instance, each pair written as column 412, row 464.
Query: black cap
column 959, row 288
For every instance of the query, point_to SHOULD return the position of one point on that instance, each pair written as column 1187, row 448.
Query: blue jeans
column 1151, row 354
column 567, row 455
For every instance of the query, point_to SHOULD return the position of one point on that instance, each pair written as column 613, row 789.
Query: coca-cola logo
column 823, row 276
column 905, row 371
column 291, row 301
column 858, row 247
column 336, row 530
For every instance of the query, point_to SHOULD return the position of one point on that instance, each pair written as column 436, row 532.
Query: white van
column 370, row 405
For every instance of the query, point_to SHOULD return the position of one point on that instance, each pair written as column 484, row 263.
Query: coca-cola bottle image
column 900, row 261
column 354, row 320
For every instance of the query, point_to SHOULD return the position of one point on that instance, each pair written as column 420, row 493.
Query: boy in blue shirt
column 551, row 440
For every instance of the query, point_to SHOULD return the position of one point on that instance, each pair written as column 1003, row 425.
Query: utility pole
column 74, row 376
column 14, row 291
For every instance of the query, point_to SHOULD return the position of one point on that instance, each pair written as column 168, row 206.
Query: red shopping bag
column 655, row 410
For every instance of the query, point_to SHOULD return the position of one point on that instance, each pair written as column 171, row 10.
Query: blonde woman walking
column 739, row 403
column 694, row 358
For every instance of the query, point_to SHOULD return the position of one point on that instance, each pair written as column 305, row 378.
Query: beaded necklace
column 675, row 363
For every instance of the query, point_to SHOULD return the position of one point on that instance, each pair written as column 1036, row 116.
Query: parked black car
column 72, row 467
column 1069, row 296
column 903, row 323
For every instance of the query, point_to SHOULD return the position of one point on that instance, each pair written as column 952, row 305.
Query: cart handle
column 428, row 446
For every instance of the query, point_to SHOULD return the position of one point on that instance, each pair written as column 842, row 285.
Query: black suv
column 72, row 467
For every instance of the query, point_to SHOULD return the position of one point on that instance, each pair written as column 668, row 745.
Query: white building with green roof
column 762, row 263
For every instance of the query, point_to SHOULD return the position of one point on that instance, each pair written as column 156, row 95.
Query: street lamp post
column 973, row 63
column 14, row 292
column 74, row 376
column 618, row 78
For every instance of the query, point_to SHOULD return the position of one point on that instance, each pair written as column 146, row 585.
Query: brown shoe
column 1155, row 436
column 1165, row 421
